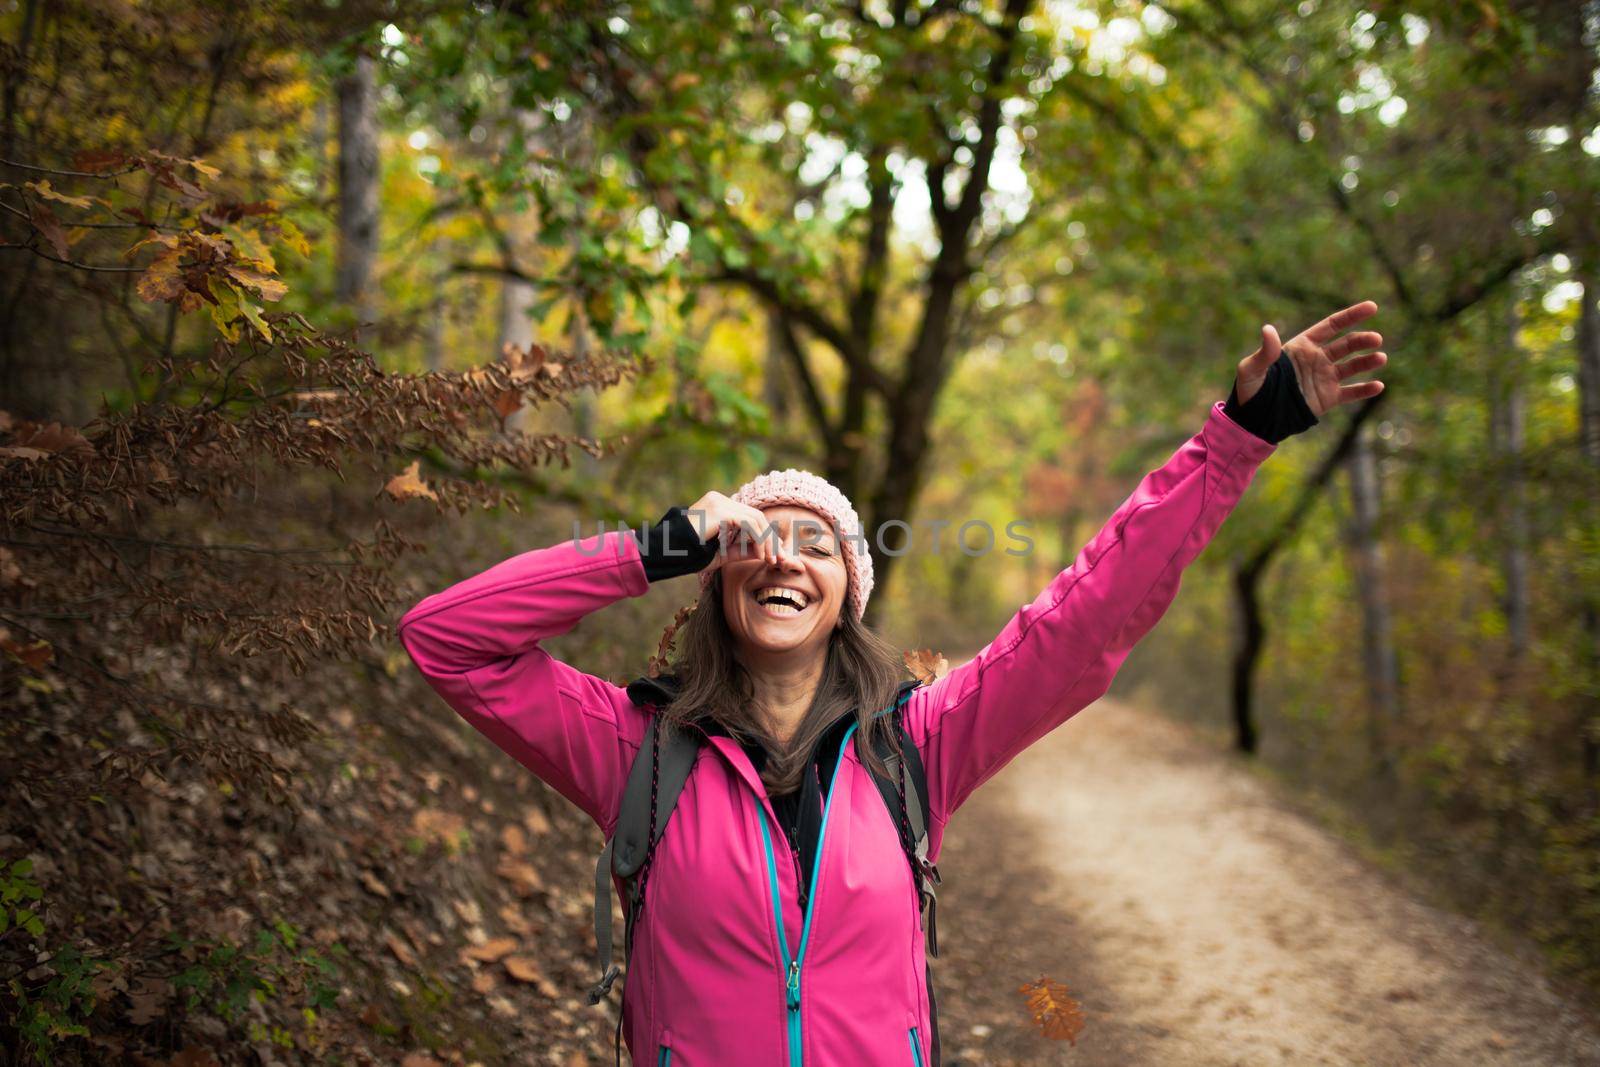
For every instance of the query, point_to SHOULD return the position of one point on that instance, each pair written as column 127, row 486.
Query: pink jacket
column 726, row 970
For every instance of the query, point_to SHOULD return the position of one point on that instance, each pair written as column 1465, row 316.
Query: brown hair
column 862, row 672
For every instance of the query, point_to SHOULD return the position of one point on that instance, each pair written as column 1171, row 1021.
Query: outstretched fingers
column 1329, row 328
column 1360, row 364
column 1359, row 391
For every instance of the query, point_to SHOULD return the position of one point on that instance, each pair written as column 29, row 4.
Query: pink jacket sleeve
column 1059, row 653
column 477, row 644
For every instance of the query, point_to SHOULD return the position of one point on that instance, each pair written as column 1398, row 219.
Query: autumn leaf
column 270, row 288
column 43, row 189
column 163, row 279
column 408, row 484
column 927, row 665
column 49, row 227
column 527, row 970
column 98, row 161
column 1055, row 1013
column 249, row 246
column 34, row 654
column 50, row 437
column 491, row 950
column 226, row 309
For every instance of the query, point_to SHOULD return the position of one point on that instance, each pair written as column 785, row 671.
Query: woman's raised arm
column 477, row 644
column 1060, row 653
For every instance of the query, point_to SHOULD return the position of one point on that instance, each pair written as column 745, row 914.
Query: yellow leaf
column 162, row 280
column 226, row 309
column 270, row 288
column 42, row 188
column 248, row 246
column 408, row 484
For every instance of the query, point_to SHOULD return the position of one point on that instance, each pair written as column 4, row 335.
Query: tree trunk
column 775, row 387
column 1588, row 341
column 1506, row 418
column 1247, row 586
column 1378, row 657
column 358, row 188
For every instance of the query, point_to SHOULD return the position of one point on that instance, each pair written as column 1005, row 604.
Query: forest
column 310, row 308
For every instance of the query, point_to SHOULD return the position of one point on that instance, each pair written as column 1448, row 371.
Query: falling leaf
column 927, row 665
column 408, row 484
column 491, row 950
column 1055, row 1013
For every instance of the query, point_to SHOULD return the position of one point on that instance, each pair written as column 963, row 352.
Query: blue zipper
column 791, row 966
column 916, row 1048
column 665, row 1057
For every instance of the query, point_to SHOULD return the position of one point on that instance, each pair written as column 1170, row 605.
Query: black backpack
column 664, row 761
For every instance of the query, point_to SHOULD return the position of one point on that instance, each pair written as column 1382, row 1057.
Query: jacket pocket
column 916, row 1047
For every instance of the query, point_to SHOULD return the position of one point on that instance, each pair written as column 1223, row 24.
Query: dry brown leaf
column 521, row 874
column 408, row 483
column 537, row 822
column 511, row 838
column 524, row 969
column 484, row 982
column 435, row 825
column 374, row 886
column 194, row 1056
column 51, row 437
column 927, row 665
column 401, row 950
column 490, row 950
column 420, row 1059
column 1055, row 1013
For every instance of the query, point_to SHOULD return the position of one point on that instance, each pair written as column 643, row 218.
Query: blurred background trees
column 290, row 291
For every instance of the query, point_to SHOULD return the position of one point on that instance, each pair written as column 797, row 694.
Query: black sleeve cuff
column 1277, row 410
column 672, row 546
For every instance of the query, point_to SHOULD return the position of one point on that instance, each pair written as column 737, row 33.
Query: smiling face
column 794, row 605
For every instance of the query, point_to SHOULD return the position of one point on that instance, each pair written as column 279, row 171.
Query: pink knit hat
column 806, row 490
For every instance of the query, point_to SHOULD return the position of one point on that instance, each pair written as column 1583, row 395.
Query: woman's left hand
column 1316, row 354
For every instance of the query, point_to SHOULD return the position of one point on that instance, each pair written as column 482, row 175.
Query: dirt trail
column 1203, row 921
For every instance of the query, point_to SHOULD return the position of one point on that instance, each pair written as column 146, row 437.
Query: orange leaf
column 1055, row 1013
column 162, row 279
column 927, row 665
column 408, row 484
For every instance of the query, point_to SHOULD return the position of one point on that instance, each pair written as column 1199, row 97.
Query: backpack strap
column 660, row 769
column 907, row 773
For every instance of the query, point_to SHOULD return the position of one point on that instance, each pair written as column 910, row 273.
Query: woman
column 743, row 956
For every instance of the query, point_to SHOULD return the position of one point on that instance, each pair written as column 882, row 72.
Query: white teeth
column 763, row 597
